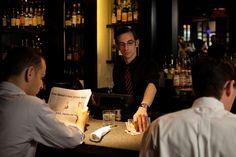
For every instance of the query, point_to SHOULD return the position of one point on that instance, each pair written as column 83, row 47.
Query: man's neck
column 129, row 60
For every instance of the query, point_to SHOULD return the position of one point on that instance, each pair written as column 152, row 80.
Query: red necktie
column 128, row 82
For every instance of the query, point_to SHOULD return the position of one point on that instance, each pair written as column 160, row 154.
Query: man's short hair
column 20, row 58
column 209, row 76
column 122, row 30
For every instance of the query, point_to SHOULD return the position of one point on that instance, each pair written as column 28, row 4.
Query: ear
column 117, row 47
column 229, row 87
column 137, row 43
column 29, row 73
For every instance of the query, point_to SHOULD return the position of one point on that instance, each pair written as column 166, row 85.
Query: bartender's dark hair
column 125, row 29
column 209, row 76
column 18, row 59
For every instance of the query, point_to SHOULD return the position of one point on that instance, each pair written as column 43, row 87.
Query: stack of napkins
column 130, row 129
column 97, row 135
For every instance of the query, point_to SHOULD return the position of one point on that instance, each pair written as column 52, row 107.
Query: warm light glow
column 187, row 32
column 104, row 42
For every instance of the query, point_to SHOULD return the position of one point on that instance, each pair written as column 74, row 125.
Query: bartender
column 135, row 75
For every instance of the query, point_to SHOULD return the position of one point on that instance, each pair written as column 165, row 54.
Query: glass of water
column 108, row 117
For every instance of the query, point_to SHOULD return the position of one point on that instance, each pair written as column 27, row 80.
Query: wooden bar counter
column 116, row 143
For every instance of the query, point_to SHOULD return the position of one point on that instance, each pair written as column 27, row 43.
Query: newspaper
column 65, row 102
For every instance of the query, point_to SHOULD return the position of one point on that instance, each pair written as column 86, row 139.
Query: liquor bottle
column 76, row 52
column 130, row 14
column 27, row 15
column 113, row 17
column 17, row 18
column 39, row 16
column 118, row 12
column 74, row 16
column 78, row 15
column 30, row 15
column 22, row 17
column 13, row 18
column 135, row 11
column 171, row 72
column 124, row 13
column 163, row 73
column 4, row 19
column 82, row 16
column 176, row 80
column 69, row 54
column 43, row 15
column 68, row 19
column 34, row 20
column 113, row 51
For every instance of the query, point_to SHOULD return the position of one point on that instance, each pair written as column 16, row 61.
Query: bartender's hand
column 82, row 118
column 140, row 119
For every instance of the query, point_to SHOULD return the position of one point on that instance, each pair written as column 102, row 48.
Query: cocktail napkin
column 97, row 135
column 130, row 129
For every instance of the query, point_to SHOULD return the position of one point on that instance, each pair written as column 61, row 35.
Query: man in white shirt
column 207, row 128
column 25, row 119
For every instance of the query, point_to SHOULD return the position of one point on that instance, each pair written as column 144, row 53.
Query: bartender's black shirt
column 143, row 71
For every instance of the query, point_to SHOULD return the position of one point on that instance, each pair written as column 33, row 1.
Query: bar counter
column 115, row 143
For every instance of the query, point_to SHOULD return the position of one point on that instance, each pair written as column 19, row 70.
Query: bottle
column 82, row 16
column 31, row 12
column 171, row 69
column 68, row 19
column 22, row 17
column 188, row 73
column 118, row 12
column 34, row 18
column 164, row 73
column 78, row 15
column 130, row 14
column 113, row 17
column 13, row 18
column 76, row 52
column 176, row 80
column 69, row 54
column 135, row 12
column 124, row 13
column 118, row 115
column 26, row 15
column 4, row 19
column 17, row 18
column 74, row 16
column 39, row 16
column 113, row 51
column 43, row 15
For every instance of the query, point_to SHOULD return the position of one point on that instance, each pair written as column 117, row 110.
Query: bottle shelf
column 26, row 29
column 75, row 29
column 115, row 25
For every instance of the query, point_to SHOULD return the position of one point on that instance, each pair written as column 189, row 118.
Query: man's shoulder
column 33, row 102
column 174, row 116
column 147, row 61
column 119, row 61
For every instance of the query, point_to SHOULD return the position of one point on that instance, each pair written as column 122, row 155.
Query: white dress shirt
column 26, row 120
column 204, row 130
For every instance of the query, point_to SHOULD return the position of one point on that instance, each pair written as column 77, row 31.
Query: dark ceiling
column 194, row 8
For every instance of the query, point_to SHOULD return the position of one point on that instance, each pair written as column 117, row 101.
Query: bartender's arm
column 140, row 118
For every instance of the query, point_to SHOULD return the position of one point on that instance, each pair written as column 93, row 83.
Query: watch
column 144, row 105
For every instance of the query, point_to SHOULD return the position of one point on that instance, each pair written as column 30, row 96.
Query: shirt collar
column 133, row 62
column 208, row 102
column 11, row 88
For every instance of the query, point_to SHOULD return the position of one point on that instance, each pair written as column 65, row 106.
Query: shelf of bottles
column 124, row 12
column 74, row 40
column 22, row 25
column 176, row 73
